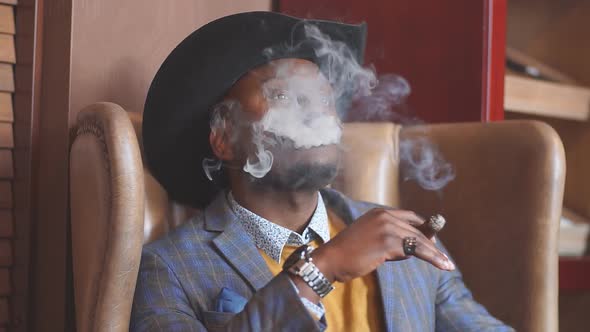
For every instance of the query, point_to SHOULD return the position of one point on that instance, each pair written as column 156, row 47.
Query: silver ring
column 409, row 245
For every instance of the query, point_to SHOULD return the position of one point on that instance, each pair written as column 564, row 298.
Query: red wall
column 451, row 52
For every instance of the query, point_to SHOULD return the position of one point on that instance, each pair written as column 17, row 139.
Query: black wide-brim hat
column 197, row 75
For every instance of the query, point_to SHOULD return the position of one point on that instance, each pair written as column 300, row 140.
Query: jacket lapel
column 235, row 244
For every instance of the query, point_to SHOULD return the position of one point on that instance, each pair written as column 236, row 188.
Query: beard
column 300, row 176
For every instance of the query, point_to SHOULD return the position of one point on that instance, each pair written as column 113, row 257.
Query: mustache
column 285, row 143
column 299, row 177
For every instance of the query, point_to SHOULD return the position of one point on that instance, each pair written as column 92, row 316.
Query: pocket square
column 230, row 301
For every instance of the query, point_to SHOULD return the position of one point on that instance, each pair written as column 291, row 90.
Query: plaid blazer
column 208, row 275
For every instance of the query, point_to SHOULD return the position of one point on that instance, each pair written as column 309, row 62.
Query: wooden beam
column 6, row 77
column 7, row 53
column 9, row 2
column 526, row 95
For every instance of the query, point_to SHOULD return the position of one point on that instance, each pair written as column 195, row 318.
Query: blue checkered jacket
column 208, row 275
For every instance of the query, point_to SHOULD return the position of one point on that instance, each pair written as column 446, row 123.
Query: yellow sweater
column 351, row 306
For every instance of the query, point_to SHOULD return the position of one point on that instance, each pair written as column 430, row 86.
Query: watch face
column 295, row 257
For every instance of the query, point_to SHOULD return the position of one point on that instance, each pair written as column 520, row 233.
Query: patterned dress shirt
column 272, row 238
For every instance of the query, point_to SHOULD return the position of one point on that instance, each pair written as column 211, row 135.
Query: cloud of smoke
column 377, row 99
column 348, row 78
column 305, row 111
column 421, row 161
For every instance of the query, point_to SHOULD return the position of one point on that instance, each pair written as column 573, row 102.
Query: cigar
column 432, row 226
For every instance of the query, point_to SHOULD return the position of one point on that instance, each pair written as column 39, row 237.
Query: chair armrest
column 502, row 212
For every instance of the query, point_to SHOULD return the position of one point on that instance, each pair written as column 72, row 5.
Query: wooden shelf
column 531, row 96
column 538, row 67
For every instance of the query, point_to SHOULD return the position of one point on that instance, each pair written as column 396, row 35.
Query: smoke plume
column 299, row 105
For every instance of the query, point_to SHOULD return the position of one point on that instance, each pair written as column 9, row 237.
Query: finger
column 400, row 224
column 423, row 226
column 427, row 252
column 427, row 230
column 408, row 217
column 416, row 230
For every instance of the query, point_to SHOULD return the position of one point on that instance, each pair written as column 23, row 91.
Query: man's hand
column 371, row 240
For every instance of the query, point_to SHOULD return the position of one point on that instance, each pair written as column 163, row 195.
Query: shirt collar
column 272, row 238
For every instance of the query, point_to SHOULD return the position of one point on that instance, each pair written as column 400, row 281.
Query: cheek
column 243, row 146
column 255, row 105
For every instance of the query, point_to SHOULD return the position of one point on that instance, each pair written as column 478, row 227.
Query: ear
column 220, row 144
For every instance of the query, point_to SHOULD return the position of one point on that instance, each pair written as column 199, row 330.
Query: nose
column 303, row 101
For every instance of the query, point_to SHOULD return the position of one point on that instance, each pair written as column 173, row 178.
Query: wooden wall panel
column 6, row 224
column 125, row 53
column 6, row 165
column 6, row 19
column 4, row 311
column 6, row 136
column 5, row 283
column 5, row 253
column 6, row 77
column 7, row 59
column 5, row 196
column 7, row 48
column 6, row 110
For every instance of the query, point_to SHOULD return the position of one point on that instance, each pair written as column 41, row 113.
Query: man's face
column 290, row 118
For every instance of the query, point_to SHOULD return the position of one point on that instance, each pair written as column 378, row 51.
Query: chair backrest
column 116, row 206
column 106, row 207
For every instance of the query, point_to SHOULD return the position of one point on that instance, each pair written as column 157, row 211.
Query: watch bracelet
column 314, row 278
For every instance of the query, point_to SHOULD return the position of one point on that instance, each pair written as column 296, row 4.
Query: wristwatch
column 301, row 264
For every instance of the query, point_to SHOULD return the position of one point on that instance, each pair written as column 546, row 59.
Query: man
column 242, row 121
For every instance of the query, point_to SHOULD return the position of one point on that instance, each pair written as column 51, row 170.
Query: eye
column 279, row 95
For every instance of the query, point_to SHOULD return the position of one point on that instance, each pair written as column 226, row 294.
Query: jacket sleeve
column 456, row 310
column 161, row 304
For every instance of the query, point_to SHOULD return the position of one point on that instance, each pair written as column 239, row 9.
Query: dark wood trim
column 29, row 23
column 49, row 252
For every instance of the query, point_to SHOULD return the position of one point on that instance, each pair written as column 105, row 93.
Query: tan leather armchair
column 502, row 209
